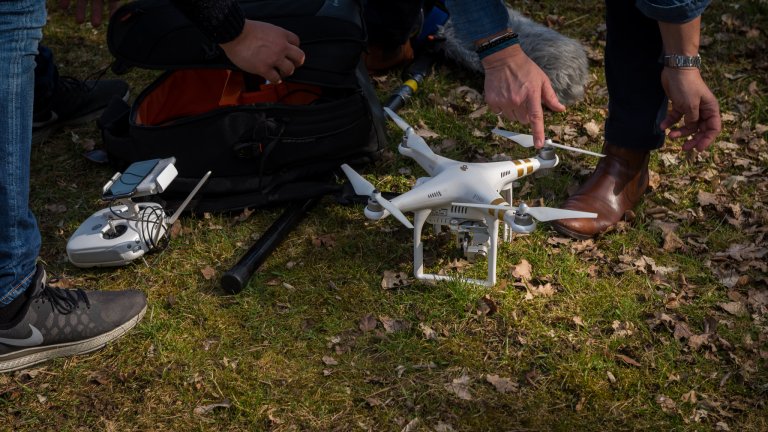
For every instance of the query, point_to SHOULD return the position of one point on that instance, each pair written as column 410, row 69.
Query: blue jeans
column 21, row 23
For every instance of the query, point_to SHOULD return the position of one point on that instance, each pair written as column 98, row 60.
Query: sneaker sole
column 33, row 356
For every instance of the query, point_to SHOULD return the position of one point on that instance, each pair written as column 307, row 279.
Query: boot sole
column 572, row 234
column 33, row 356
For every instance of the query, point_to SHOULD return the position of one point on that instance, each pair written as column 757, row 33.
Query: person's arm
column 254, row 46
column 514, row 85
column 692, row 101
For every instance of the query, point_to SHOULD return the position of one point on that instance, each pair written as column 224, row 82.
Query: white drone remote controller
column 126, row 230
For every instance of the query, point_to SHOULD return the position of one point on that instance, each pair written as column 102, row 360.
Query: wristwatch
column 677, row 61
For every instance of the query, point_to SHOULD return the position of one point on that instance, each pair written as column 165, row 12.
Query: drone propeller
column 413, row 140
column 402, row 124
column 527, row 141
column 365, row 188
column 542, row 214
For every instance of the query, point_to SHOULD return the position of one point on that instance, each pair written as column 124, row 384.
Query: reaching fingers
column 691, row 119
column 292, row 38
column 272, row 75
column 673, row 116
column 97, row 12
column 295, row 55
column 536, row 117
column 285, row 68
column 80, row 11
column 550, row 98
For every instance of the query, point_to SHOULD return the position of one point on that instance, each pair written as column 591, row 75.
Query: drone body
column 471, row 199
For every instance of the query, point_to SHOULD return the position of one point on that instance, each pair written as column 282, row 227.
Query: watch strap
column 677, row 61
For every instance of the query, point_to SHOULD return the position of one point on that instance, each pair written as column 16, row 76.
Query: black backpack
column 265, row 144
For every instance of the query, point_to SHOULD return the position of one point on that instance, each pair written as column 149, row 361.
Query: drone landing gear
column 420, row 218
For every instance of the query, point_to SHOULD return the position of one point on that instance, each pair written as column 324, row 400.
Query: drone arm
column 431, row 162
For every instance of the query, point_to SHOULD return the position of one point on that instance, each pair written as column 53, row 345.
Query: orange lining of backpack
column 193, row 92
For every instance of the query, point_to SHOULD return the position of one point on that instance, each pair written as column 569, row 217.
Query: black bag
column 264, row 143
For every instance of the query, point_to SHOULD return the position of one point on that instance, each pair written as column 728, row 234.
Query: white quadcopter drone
column 469, row 198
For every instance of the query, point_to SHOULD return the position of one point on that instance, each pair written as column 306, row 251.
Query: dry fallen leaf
column 392, row 325
column 460, row 387
column 706, row 198
column 592, row 128
column 735, row 308
column 682, row 331
column 667, row 404
column 545, row 290
column 88, row 144
column 412, row 425
column 367, row 323
column 503, row 385
column 176, row 229
column 56, row 208
column 628, row 360
column 327, row 241
column 672, row 242
column 427, row 332
column 486, row 306
column 622, row 329
column 208, row 272
column 205, row 409
column 522, row 270
column 242, row 217
column 444, row 427
column 696, row 341
column 393, row 279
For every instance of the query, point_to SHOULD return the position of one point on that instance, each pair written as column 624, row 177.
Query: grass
column 598, row 354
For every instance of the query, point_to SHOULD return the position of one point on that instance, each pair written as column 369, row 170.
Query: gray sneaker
column 76, row 102
column 62, row 322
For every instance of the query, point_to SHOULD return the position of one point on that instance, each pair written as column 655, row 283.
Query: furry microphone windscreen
column 563, row 59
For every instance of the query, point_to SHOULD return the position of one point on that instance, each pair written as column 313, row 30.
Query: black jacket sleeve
column 220, row 20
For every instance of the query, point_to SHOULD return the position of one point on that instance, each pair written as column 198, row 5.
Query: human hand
column 694, row 103
column 266, row 50
column 516, row 87
column 97, row 10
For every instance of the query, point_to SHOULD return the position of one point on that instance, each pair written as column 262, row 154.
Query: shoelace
column 69, row 82
column 72, row 84
column 63, row 300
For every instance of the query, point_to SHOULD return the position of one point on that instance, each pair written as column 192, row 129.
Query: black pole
column 414, row 75
column 235, row 279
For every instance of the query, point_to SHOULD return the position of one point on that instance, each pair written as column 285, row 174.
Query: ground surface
column 659, row 325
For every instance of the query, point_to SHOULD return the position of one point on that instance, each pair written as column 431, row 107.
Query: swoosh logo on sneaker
column 36, row 338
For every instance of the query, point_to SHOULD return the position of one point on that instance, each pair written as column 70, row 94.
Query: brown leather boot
column 616, row 187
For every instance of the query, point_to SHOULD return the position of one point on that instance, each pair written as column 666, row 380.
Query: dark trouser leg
column 46, row 77
column 636, row 106
column 637, row 103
